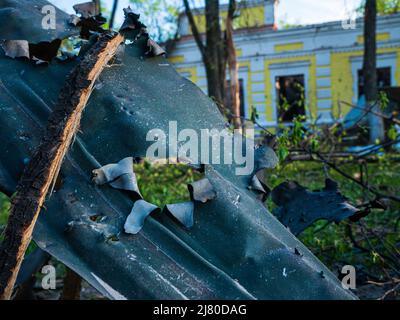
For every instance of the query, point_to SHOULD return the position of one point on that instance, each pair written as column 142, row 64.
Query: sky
column 290, row 11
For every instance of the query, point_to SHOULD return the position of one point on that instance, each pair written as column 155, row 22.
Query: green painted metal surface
column 235, row 250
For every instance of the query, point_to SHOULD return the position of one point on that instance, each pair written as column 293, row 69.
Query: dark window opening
column 383, row 79
column 241, row 95
column 290, row 96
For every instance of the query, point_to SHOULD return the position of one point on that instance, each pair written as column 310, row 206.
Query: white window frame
column 286, row 70
column 386, row 60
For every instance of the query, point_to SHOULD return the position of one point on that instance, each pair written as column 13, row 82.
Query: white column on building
column 324, row 86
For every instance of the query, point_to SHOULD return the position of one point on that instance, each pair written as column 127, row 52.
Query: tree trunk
column 72, row 286
column 233, row 66
column 369, row 71
column 214, row 52
column 113, row 12
column 42, row 170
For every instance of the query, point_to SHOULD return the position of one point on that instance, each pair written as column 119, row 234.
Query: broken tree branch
column 367, row 187
column 391, row 117
column 43, row 168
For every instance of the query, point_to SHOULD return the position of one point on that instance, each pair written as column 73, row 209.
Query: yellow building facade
column 325, row 60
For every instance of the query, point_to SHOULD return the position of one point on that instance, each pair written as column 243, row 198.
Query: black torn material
column 135, row 30
column 44, row 51
column 89, row 20
column 299, row 207
column 91, row 25
column 131, row 21
column 86, row 9
column 140, row 211
column 201, row 190
column 41, row 52
column 183, row 212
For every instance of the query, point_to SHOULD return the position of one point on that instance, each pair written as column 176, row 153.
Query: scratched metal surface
column 22, row 20
column 235, row 250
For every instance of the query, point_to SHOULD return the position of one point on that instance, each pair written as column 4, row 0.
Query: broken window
column 290, row 97
column 241, row 94
column 383, row 79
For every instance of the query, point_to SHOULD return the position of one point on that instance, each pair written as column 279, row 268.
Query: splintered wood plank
column 45, row 164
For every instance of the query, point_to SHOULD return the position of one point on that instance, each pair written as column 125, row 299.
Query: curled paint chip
column 140, row 211
column 260, row 189
column 256, row 185
column 183, row 212
column 154, row 48
column 16, row 48
column 202, row 190
column 86, row 9
column 74, row 20
column 119, row 175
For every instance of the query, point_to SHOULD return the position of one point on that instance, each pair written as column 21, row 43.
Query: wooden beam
column 43, row 168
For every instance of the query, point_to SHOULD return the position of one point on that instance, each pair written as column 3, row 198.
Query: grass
column 163, row 185
column 4, row 206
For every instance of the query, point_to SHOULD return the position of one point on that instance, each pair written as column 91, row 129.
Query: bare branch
column 195, row 30
column 374, row 112
column 113, row 12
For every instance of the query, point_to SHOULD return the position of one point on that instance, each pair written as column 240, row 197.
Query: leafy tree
column 160, row 16
column 218, row 52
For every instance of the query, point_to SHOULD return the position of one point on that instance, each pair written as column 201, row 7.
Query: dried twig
column 376, row 113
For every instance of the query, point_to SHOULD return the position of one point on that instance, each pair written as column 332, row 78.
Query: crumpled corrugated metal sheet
column 298, row 208
column 236, row 248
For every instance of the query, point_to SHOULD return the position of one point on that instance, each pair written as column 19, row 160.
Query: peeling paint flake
column 119, row 175
column 140, row 211
column 202, row 190
column 16, row 48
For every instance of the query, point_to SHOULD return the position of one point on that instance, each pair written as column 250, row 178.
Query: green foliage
column 160, row 16
column 291, row 137
column 314, row 144
column 384, row 7
column 4, row 207
column 392, row 133
column 165, row 184
column 378, row 232
column 284, row 24
column 283, row 144
column 162, row 184
column 253, row 114
column 383, row 100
